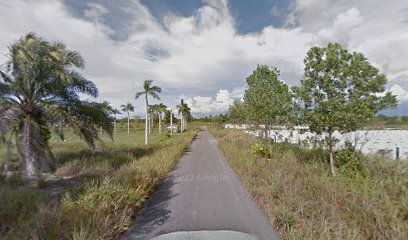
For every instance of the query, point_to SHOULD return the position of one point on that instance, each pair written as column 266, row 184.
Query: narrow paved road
column 202, row 199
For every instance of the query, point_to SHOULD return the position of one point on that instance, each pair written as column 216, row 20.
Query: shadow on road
column 156, row 211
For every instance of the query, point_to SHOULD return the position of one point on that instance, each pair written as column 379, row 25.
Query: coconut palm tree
column 148, row 90
column 187, row 115
column 160, row 108
column 152, row 111
column 40, row 86
column 127, row 108
column 180, row 111
column 114, row 112
column 185, row 111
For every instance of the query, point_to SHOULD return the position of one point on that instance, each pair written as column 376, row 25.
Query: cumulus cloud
column 401, row 93
column 197, row 55
column 342, row 28
column 207, row 105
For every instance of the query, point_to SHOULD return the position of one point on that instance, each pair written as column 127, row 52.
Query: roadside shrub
column 25, row 214
column 350, row 162
column 284, row 219
column 260, row 150
column 102, row 207
column 302, row 154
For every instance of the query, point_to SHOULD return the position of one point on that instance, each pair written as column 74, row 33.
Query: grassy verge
column 303, row 201
column 118, row 179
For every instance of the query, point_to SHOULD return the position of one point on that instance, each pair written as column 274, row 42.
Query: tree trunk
column 332, row 165
column 32, row 151
column 60, row 128
column 268, row 139
column 114, row 126
column 6, row 166
column 171, row 122
column 150, row 123
column 182, row 122
column 160, row 127
column 147, row 123
column 128, row 123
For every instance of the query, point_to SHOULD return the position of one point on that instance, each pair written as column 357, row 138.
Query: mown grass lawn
column 303, row 201
column 100, row 189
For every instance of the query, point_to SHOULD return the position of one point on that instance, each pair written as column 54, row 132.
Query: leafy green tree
column 268, row 100
column 237, row 112
column 127, row 108
column 40, row 86
column 148, row 90
column 166, row 117
column 340, row 90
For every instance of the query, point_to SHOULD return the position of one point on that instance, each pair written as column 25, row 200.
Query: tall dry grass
column 122, row 177
column 303, row 201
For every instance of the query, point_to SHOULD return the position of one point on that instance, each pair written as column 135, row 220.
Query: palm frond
column 154, row 95
column 9, row 118
column 138, row 94
column 155, row 89
column 82, row 85
column 75, row 59
column 6, row 77
column 146, row 84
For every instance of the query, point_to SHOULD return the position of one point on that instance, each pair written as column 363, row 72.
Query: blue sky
column 251, row 16
column 202, row 50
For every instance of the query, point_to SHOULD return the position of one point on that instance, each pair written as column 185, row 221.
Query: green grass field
column 302, row 199
column 103, row 190
column 72, row 147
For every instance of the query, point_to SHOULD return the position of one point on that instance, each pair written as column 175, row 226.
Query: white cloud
column 342, row 27
column 207, row 105
column 199, row 55
column 96, row 11
column 402, row 94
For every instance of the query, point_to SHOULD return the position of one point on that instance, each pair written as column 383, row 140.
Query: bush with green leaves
column 350, row 161
column 260, row 150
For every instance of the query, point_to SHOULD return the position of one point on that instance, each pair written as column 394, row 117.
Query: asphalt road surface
column 202, row 199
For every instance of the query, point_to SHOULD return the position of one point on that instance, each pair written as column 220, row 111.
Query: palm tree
column 180, row 111
column 185, row 111
column 40, row 86
column 114, row 112
column 160, row 108
column 152, row 111
column 153, row 91
column 187, row 115
column 128, row 108
column 157, row 109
